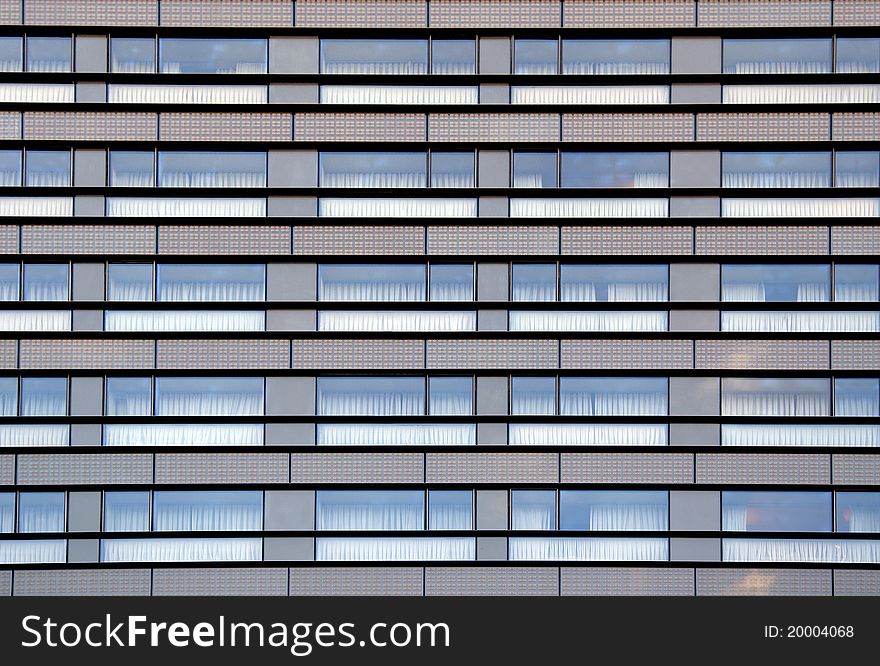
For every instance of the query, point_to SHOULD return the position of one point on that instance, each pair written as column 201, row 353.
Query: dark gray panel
column 84, row 512
column 88, row 282
column 684, row 549
column 695, row 510
column 492, row 510
column 696, row 93
column 88, row 320
column 86, row 396
column 694, row 434
column 87, row 205
column 280, row 549
column 91, row 92
column 293, row 55
column 89, row 168
column 290, row 509
column 293, row 93
column 492, row 282
column 694, row 207
column 491, row 548
column 290, row 396
column 694, row 282
column 291, row 282
column 696, row 55
column 494, row 55
column 493, row 207
column 695, row 168
column 492, row 397
column 82, row 550
column 293, row 168
column 693, row 320
column 694, row 396
column 90, row 53
column 491, row 320
column 292, row 207
column 493, row 168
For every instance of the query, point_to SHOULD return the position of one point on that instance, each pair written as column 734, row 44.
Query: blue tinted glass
column 858, row 512
column 613, row 510
column 127, row 512
column 452, row 282
column 533, row 509
column 535, row 56
column 533, row 396
column 450, row 396
column 775, row 397
column 534, row 169
column 856, row 282
column 41, row 512
column 211, row 282
column 371, row 396
column 452, row 169
column 46, row 282
column 597, row 56
column 586, row 283
column 857, row 169
column 213, row 56
column 773, row 170
column 374, row 56
column 226, row 510
column 858, row 55
column 212, row 169
column 209, row 396
column 9, row 274
column 370, row 510
column 613, row 396
column 10, row 54
column 856, row 397
column 47, row 168
column 49, row 54
column 43, row 396
column 133, row 55
column 453, row 56
column 373, row 169
column 129, row 396
column 534, row 282
column 759, row 511
column 775, row 282
column 371, row 282
column 131, row 168
column 615, row 169
column 9, row 396
column 10, row 168
column 7, row 512
column 450, row 510
column 776, row 56
column 130, row 282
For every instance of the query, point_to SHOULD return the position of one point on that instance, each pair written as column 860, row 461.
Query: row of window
column 42, row 168
column 389, row 510
column 443, row 396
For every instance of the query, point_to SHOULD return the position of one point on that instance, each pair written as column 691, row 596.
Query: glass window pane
column 371, row 396
column 10, row 168
column 760, row 511
column 10, row 54
column 856, row 397
column 450, row 396
column 129, row 396
column 133, row 55
column 535, row 56
column 126, row 512
column 41, row 512
column 212, row 169
column 858, row 512
column 374, row 56
column 776, row 56
column 373, row 170
column 131, row 169
column 614, row 510
column 856, row 282
column 533, row 509
column 450, row 510
column 370, row 510
column 226, row 510
column 586, row 283
column 8, row 396
column 452, row 282
column 597, row 56
column 7, row 512
column 857, row 169
column 775, row 397
column 49, row 54
column 533, row 396
column 534, row 169
column 858, row 56
column 130, row 282
column 43, row 396
column 775, row 282
column 615, row 169
column 534, row 282
column 371, row 282
column 211, row 282
column 453, row 56
column 46, row 282
column 452, row 170
column 9, row 281
column 756, row 170
column 209, row 396
column 613, row 396
column 47, row 168
column 213, row 56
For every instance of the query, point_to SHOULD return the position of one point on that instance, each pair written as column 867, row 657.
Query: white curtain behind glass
column 588, row 549
column 396, row 321
column 173, row 320
column 131, row 516
column 773, row 403
column 33, row 551
column 395, row 549
column 419, row 95
column 586, row 434
column 859, row 292
column 118, row 93
column 533, row 515
column 369, row 516
column 852, row 403
column 589, row 95
column 390, row 434
column 800, row 550
column 864, row 519
column 620, row 517
column 41, row 517
column 35, row 320
column 229, row 434
column 181, row 550
column 800, row 207
column 43, row 403
column 213, row 178
column 802, row 94
column 375, row 179
column 589, row 207
column 206, row 514
column 612, row 403
column 397, row 207
column 587, row 321
column 23, row 93
column 800, row 435
column 36, row 206
column 208, row 290
column 585, row 292
column 372, row 290
column 146, row 207
column 7, row 516
column 775, row 179
column 374, row 403
column 34, row 435
column 800, row 322
column 449, row 516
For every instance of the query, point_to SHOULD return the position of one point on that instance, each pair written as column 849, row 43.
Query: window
column 450, row 510
column 209, row 396
column 534, row 170
column 452, row 282
column 126, row 512
column 533, row 396
column 595, row 56
column 214, row 169
column 47, row 168
column 621, row 283
column 373, row 170
column 452, row 170
column 615, row 169
column 220, row 510
column 775, row 283
column 373, row 56
column 533, row 509
column 534, row 282
column 43, row 396
column 450, row 396
column 776, row 56
column 856, row 397
column 453, row 56
column 613, row 396
column 536, row 56
column 857, row 169
column 769, row 511
column 775, row 397
column 133, row 55
column 10, row 168
column 211, row 282
column 49, row 54
column 9, row 275
column 613, row 510
column 8, row 396
column 213, row 56
column 129, row 396
column 41, row 512
column 371, row 282
column 775, row 170
column 858, row 512
column 131, row 169
column 370, row 510
column 130, row 282
column 7, row 512
column 371, row 396
column 856, row 282
column 858, row 55
column 10, row 54
column 46, row 282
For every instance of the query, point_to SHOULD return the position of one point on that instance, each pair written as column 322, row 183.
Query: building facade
column 440, row 297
